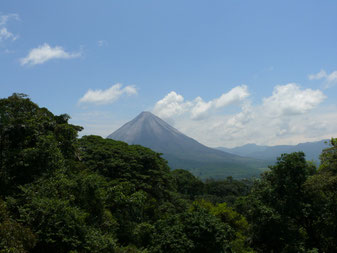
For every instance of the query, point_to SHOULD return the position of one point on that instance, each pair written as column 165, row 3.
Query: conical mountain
column 182, row 151
column 150, row 131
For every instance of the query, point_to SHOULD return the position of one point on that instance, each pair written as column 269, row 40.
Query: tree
column 187, row 184
column 68, row 211
column 329, row 158
column 275, row 208
column 322, row 191
column 237, row 223
column 138, row 165
column 196, row 231
column 227, row 190
column 33, row 141
column 14, row 237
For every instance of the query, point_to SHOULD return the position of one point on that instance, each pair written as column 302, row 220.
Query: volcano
column 184, row 152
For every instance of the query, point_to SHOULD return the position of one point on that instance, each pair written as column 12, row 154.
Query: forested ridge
column 61, row 193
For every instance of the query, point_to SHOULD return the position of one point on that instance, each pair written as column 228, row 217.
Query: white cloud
column 239, row 120
column 4, row 33
column 173, row 104
column 200, row 108
column 320, row 75
column 45, row 53
column 110, row 95
column 289, row 99
column 289, row 115
column 102, row 43
column 5, row 18
column 236, row 94
column 330, row 79
column 130, row 90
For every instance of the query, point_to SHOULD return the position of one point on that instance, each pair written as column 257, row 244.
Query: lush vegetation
column 61, row 193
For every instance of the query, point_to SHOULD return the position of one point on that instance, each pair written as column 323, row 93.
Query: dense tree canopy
column 32, row 141
column 322, row 191
column 61, row 193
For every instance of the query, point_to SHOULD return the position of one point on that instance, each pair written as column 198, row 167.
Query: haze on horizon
column 225, row 73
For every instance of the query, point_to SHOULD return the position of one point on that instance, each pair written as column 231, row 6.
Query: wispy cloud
column 102, row 43
column 110, row 95
column 4, row 33
column 46, row 53
column 330, row 79
column 5, row 18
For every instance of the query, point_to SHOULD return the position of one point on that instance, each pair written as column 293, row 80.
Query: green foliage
column 227, row 190
column 142, row 234
column 63, row 194
column 32, row 141
column 195, row 231
column 130, row 249
column 215, row 191
column 322, row 191
column 67, row 212
column 238, row 224
column 187, row 184
column 231, row 217
column 136, row 164
column 276, row 204
column 329, row 157
column 13, row 236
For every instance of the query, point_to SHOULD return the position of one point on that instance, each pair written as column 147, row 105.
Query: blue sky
column 226, row 73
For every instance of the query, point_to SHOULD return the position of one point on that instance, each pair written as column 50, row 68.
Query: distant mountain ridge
column 184, row 152
column 312, row 150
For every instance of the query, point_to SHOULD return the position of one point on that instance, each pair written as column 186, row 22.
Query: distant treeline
column 60, row 193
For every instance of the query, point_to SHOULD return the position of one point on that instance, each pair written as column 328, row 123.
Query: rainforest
column 62, row 193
